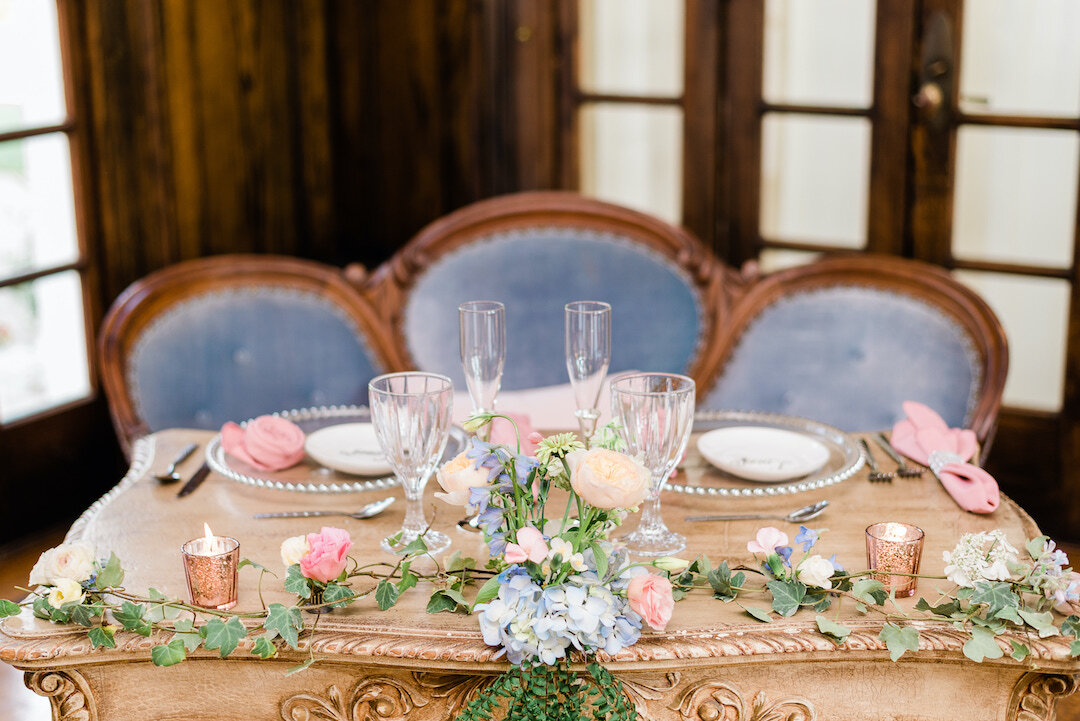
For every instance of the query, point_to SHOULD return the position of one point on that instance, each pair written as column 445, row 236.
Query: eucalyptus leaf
column 168, row 654
column 983, row 644
column 899, row 639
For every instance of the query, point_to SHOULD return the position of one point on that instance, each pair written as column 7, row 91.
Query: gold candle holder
column 210, row 565
column 894, row 548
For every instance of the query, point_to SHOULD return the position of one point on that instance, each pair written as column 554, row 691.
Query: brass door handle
column 929, row 99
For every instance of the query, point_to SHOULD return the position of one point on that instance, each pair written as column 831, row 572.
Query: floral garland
column 557, row 589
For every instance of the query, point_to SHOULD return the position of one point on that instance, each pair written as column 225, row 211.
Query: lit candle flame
column 212, row 545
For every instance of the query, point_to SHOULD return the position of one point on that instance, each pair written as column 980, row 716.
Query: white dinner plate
column 349, row 448
column 759, row 453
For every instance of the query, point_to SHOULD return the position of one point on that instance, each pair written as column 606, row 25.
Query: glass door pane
column 31, row 82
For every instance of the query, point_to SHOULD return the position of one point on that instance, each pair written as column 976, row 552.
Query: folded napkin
column 923, row 436
column 269, row 443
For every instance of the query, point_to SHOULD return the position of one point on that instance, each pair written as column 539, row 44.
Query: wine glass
column 411, row 414
column 483, row 353
column 588, row 353
column 656, row 411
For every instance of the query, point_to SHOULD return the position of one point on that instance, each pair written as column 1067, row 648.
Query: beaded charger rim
column 851, row 459
column 218, row 462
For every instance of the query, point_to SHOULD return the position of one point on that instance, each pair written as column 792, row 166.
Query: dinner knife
column 195, row 481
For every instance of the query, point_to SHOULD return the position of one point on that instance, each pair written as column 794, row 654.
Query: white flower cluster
column 982, row 556
column 65, row 568
column 532, row 623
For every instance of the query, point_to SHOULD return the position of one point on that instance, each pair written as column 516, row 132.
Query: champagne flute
column 588, row 353
column 483, row 353
column 656, row 411
column 411, row 413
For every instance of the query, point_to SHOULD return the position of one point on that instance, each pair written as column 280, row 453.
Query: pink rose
column 650, row 597
column 268, row 443
column 607, row 479
column 457, row 476
column 327, row 554
column 768, row 540
column 530, row 546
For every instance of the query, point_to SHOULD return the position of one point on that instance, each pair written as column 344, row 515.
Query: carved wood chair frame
column 148, row 298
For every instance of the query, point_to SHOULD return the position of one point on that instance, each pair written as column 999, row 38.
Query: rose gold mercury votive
column 210, row 567
column 894, row 548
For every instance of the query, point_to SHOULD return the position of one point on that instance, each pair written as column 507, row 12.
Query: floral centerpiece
column 556, row 588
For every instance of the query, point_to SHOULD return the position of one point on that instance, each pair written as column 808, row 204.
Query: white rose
column 607, row 479
column 73, row 560
column 293, row 549
column 65, row 590
column 457, row 476
column 816, row 571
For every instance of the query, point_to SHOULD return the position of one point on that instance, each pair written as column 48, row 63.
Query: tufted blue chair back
column 209, row 344
column 847, row 341
column 657, row 315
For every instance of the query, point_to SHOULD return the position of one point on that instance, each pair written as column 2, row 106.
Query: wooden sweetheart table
column 713, row 662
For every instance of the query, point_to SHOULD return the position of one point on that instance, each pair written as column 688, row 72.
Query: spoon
column 371, row 509
column 170, row 475
column 797, row 516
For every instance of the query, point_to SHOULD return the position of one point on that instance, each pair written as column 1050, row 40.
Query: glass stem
column 587, row 425
column 414, row 523
column 651, row 521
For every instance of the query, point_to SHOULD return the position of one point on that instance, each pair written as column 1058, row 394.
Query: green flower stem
column 517, row 433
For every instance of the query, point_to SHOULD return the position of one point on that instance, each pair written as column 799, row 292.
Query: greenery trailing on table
column 556, row 590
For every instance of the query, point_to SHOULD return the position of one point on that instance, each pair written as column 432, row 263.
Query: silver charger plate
column 703, row 479
column 309, row 476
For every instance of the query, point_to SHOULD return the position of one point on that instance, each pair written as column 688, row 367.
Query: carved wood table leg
column 1035, row 696
column 68, row 693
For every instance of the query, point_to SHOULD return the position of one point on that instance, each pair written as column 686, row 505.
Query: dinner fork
column 902, row 469
column 876, row 474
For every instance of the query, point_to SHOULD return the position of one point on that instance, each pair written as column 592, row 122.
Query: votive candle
column 210, row 565
column 894, row 548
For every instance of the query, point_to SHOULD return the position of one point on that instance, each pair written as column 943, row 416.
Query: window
column 44, row 355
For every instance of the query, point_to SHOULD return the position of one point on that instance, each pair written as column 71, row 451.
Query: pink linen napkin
column 502, row 431
column 269, row 443
column 923, row 436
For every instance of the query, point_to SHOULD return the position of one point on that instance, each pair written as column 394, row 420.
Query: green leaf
column 759, row 613
column 168, row 654
column 223, row 636
column 264, row 648
column 102, row 636
column 1074, row 649
column 408, row 580
column 296, row 582
column 1020, row 651
column 899, row 639
column 824, row 604
column 8, row 608
column 1009, row 614
column 335, row 592
column 1041, row 622
column 1071, row 626
column 42, row 609
column 457, row 562
column 447, row 600
column 995, row 595
column 488, row 591
column 832, row 630
column 299, row 667
column 945, row 609
column 83, row 614
column 983, row 644
column 724, row 585
column 417, row 547
column 257, row 566
column 132, row 617
column 185, row 632
column 600, row 558
column 158, row 610
column 870, row 591
column 1035, row 546
column 386, row 594
column 112, row 575
column 787, row 596
column 285, row 621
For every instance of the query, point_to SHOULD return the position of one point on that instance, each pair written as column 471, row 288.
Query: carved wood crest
column 68, row 694
column 373, row 699
column 721, row 701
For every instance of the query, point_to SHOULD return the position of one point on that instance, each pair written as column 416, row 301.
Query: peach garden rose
column 608, row 479
column 457, row 476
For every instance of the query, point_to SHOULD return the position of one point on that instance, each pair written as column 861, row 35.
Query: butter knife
column 195, row 481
